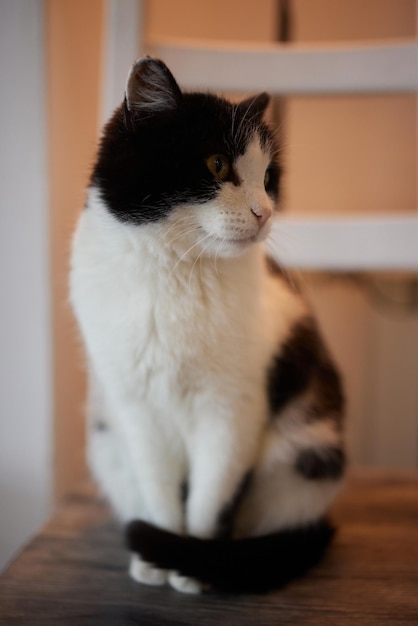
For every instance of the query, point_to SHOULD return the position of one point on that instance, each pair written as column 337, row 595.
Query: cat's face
column 202, row 169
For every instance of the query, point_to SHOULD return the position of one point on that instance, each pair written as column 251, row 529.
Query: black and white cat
column 216, row 412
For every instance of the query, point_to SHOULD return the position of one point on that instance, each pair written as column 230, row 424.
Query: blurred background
column 350, row 160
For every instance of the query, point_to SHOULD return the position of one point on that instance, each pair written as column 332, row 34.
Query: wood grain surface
column 75, row 571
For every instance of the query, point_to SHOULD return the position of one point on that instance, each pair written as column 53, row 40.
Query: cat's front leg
column 159, row 470
column 160, row 484
column 157, row 466
column 223, row 456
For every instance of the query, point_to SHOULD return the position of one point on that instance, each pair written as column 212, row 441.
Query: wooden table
column 74, row 572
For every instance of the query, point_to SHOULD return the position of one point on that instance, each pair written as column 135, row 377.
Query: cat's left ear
column 151, row 88
column 255, row 106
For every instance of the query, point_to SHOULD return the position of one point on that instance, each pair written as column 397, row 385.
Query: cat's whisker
column 182, row 234
column 295, row 276
column 193, row 266
column 221, row 243
column 244, row 117
column 174, row 227
column 279, row 127
column 199, row 258
column 179, row 220
column 183, row 256
column 213, row 265
column 233, row 116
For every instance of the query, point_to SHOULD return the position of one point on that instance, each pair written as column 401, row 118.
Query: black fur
column 254, row 565
column 302, row 363
column 149, row 161
column 328, row 463
column 226, row 518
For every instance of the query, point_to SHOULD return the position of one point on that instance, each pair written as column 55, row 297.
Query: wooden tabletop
column 75, row 572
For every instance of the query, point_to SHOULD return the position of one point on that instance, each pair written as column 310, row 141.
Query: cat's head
column 200, row 167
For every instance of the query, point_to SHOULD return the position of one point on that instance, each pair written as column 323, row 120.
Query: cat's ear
column 255, row 106
column 151, row 88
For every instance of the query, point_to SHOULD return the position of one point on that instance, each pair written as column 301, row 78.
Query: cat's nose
column 263, row 214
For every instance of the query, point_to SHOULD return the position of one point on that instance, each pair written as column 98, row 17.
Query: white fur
column 145, row 573
column 184, row 583
column 180, row 321
column 292, row 500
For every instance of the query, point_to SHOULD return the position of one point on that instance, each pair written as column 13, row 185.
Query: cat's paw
column 184, row 583
column 146, row 573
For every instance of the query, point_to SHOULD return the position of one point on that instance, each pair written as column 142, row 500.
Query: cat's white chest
column 167, row 331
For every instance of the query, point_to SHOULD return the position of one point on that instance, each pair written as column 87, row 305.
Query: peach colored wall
column 339, row 20
column 350, row 154
column 74, row 40
column 217, row 19
column 358, row 153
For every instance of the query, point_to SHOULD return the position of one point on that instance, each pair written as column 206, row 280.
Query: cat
column 215, row 420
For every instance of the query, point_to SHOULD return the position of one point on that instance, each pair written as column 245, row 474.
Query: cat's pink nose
column 263, row 214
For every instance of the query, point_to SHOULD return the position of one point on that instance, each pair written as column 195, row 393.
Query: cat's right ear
column 150, row 89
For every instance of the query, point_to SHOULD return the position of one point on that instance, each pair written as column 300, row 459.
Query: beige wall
column 353, row 154
column 74, row 39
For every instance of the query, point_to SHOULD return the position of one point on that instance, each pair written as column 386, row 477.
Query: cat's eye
column 218, row 165
column 266, row 178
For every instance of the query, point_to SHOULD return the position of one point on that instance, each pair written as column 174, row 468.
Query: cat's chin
column 229, row 248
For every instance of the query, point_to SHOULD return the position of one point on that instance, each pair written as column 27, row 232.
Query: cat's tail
column 252, row 565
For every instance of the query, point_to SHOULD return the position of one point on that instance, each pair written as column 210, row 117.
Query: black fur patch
column 327, row 463
column 226, row 518
column 147, row 166
column 253, row 565
column 184, row 492
column 304, row 363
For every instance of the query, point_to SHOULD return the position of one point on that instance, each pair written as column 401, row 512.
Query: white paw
column 146, row 573
column 184, row 584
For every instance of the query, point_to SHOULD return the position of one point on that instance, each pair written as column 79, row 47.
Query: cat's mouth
column 235, row 243
column 231, row 246
column 239, row 241
column 247, row 241
column 244, row 241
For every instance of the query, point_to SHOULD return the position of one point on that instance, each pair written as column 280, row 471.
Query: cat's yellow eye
column 218, row 165
column 266, row 178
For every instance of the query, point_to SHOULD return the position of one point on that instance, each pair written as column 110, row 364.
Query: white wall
column 25, row 334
